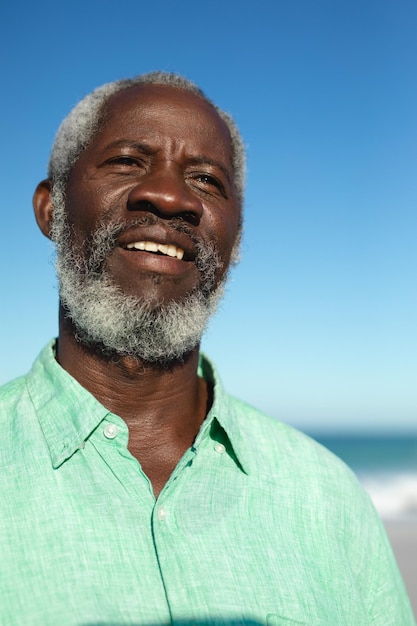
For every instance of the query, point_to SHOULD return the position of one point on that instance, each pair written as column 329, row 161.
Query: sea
column 385, row 465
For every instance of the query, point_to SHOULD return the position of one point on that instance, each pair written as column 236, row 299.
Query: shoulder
column 321, row 499
column 16, row 395
column 278, row 443
column 297, row 471
column 300, row 473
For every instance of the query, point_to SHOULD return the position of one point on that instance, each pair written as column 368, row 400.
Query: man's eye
column 210, row 180
column 205, row 178
column 207, row 181
column 124, row 160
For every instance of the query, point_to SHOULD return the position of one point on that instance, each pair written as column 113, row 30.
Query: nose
column 165, row 192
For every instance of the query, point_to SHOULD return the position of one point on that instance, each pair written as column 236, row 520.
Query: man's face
column 148, row 226
column 163, row 156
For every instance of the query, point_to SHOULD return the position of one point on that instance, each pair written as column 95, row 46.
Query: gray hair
column 84, row 121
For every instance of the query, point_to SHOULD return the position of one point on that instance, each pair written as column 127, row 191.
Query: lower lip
column 158, row 263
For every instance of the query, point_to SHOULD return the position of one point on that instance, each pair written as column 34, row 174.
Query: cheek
column 228, row 229
column 84, row 210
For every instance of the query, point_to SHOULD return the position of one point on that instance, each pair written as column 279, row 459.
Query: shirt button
column 162, row 514
column 220, row 449
column 110, row 431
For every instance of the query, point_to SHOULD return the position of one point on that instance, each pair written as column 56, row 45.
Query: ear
column 42, row 206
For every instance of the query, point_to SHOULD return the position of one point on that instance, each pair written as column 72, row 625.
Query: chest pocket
column 277, row 620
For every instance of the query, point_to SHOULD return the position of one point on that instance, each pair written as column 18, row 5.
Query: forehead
column 165, row 110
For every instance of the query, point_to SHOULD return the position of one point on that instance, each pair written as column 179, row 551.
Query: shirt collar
column 225, row 410
column 67, row 412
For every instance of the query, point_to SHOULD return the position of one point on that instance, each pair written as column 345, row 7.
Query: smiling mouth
column 157, row 248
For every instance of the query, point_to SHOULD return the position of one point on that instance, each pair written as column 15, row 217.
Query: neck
column 163, row 407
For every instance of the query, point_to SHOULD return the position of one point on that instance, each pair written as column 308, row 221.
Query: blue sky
column 319, row 325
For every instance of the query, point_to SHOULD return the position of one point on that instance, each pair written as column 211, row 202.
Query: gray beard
column 106, row 319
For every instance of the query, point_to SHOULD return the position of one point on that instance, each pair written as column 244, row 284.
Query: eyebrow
column 135, row 145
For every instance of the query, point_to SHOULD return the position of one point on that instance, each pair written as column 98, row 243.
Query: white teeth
column 172, row 251
column 137, row 245
column 163, row 248
column 151, row 246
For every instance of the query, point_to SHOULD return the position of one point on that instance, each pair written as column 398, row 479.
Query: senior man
column 135, row 490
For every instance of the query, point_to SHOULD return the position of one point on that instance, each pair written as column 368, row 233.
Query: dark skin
column 165, row 151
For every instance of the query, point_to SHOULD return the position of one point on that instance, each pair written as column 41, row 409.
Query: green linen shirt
column 257, row 525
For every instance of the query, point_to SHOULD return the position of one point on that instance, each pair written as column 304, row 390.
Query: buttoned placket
column 163, row 514
column 162, row 505
column 167, row 535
